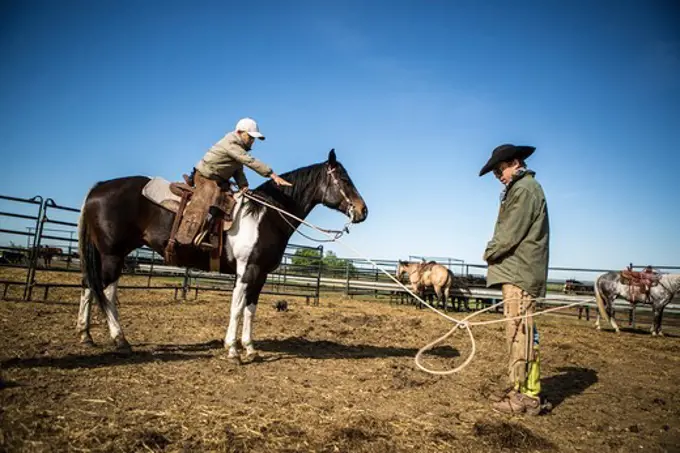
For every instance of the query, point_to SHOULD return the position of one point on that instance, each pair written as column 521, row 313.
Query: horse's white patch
column 242, row 238
column 83, row 325
column 110, row 309
column 247, row 334
column 243, row 235
column 238, row 302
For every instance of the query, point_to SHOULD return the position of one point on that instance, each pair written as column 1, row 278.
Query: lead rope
column 459, row 324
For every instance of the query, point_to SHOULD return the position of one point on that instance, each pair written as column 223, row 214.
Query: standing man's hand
column 279, row 180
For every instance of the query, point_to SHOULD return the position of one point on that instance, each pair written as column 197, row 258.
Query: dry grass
column 334, row 378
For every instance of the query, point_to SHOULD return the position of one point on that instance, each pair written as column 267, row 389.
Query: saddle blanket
column 158, row 191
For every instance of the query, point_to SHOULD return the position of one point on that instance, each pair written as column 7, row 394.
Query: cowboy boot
column 518, row 403
column 196, row 214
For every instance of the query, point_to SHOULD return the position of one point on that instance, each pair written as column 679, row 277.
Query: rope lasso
column 335, row 235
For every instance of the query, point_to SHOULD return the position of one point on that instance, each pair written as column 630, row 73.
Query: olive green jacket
column 226, row 159
column 518, row 252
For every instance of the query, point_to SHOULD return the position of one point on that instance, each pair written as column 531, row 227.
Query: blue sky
column 413, row 96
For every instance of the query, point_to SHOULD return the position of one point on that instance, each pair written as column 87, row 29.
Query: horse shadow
column 642, row 331
column 8, row 384
column 323, row 349
column 188, row 347
column 173, row 353
column 570, row 381
column 292, row 347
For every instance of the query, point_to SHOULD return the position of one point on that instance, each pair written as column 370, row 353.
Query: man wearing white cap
column 223, row 161
column 228, row 156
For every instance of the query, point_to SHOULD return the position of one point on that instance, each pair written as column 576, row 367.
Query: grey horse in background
column 609, row 286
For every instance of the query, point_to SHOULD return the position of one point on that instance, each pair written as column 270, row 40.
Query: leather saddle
column 641, row 281
column 209, row 216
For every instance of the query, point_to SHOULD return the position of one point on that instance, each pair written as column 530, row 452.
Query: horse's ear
column 332, row 161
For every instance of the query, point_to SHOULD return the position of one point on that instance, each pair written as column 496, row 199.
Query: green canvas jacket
column 518, row 252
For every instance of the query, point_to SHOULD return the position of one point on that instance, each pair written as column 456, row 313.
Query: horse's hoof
column 233, row 354
column 122, row 345
column 86, row 340
column 252, row 356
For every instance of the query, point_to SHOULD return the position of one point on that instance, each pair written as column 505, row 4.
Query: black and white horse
column 116, row 219
column 609, row 286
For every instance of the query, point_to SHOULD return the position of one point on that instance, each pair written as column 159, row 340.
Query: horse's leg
column 111, row 311
column 438, row 292
column 83, row 325
column 252, row 296
column 112, row 266
column 238, row 302
column 656, row 324
column 612, row 314
column 246, row 277
column 416, row 290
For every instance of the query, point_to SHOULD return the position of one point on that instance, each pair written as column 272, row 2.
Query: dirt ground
column 339, row 377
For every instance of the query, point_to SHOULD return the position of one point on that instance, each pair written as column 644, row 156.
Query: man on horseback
column 212, row 195
column 517, row 256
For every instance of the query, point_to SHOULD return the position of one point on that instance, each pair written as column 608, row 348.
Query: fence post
column 347, row 278
column 631, row 317
column 375, row 291
column 185, row 284
column 318, row 276
column 33, row 252
column 153, row 259
column 285, row 273
column 70, row 251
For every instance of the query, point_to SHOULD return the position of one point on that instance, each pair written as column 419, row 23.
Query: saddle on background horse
column 640, row 281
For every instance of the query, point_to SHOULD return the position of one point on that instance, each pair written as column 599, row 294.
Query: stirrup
column 200, row 237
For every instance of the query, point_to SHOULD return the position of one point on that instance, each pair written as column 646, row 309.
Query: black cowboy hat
column 505, row 153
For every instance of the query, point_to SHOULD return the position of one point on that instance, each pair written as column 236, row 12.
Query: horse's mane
column 299, row 194
column 302, row 179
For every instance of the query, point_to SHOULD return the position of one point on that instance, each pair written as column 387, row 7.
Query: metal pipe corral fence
column 303, row 272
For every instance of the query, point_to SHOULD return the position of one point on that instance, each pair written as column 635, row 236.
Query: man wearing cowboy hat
column 517, row 256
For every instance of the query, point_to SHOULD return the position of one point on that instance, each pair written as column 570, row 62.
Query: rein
column 337, row 234
column 283, row 213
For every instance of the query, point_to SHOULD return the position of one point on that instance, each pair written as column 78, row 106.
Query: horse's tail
column 454, row 282
column 90, row 258
column 600, row 302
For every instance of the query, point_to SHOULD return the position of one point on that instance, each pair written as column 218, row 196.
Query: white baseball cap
column 250, row 126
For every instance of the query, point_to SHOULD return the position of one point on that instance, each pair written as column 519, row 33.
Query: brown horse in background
column 47, row 253
column 432, row 275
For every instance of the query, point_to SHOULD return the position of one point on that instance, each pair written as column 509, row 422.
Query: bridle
column 284, row 214
column 405, row 268
column 333, row 177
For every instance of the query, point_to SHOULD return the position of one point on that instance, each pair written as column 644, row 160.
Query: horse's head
column 339, row 192
column 401, row 267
